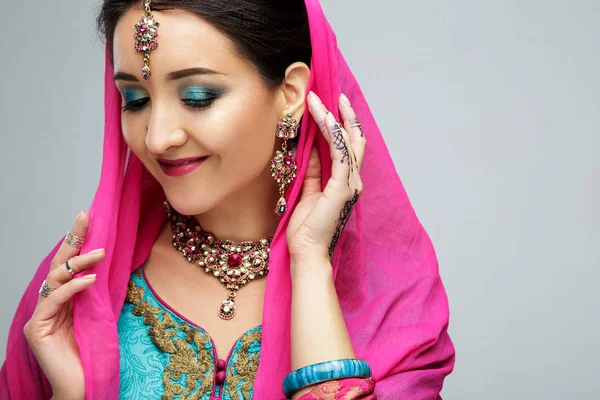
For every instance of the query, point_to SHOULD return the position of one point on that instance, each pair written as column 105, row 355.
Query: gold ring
column 69, row 269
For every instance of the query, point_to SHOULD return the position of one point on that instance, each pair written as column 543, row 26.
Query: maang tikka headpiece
column 146, row 31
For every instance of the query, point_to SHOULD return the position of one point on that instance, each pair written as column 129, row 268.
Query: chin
column 187, row 204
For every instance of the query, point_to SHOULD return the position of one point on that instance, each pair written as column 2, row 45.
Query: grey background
column 491, row 110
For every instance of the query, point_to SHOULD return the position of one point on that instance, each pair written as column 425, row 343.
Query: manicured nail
column 345, row 99
column 97, row 251
column 90, row 276
column 316, row 101
column 317, row 98
column 78, row 216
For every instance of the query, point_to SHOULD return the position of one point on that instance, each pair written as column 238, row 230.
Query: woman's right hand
column 49, row 332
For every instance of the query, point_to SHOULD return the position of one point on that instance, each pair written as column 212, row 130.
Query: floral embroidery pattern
column 189, row 373
column 239, row 383
column 346, row 389
column 163, row 357
column 326, row 390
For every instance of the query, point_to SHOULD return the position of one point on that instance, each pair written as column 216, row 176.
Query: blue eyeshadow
column 198, row 93
column 133, row 94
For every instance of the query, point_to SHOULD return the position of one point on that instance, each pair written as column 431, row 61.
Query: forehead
column 185, row 40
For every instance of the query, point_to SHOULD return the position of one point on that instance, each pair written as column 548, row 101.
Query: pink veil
column 387, row 278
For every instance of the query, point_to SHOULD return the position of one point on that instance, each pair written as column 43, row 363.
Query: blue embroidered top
column 165, row 356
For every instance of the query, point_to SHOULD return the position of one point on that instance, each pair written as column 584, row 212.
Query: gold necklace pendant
column 234, row 264
column 227, row 309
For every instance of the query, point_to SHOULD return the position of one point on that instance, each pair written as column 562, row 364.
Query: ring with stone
column 73, row 240
column 45, row 289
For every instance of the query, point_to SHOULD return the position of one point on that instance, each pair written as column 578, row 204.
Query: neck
column 247, row 215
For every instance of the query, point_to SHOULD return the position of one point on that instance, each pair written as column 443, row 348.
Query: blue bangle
column 325, row 371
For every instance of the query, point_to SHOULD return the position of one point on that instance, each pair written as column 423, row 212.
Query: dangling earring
column 283, row 166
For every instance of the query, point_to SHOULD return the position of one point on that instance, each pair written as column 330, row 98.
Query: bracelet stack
column 325, row 371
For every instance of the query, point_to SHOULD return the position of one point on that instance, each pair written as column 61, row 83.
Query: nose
column 164, row 130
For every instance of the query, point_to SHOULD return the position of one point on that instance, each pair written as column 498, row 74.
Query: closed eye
column 136, row 105
column 140, row 104
column 198, row 104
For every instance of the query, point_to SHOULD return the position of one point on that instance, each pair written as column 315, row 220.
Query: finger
column 59, row 276
column 354, row 129
column 318, row 111
column 312, row 179
column 356, row 138
column 67, row 251
column 341, row 169
column 344, row 161
column 49, row 307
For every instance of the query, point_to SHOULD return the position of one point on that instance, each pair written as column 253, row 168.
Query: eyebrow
column 123, row 76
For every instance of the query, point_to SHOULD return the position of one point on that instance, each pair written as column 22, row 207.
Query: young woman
column 249, row 244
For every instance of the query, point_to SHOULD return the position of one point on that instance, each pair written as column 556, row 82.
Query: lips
column 180, row 167
column 180, row 161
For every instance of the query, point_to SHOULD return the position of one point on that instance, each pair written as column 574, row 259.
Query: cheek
column 247, row 136
column 254, row 144
column 126, row 128
column 134, row 135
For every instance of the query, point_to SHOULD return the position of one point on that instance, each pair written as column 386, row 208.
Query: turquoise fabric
column 162, row 354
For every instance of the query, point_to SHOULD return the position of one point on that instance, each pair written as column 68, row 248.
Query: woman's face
column 228, row 116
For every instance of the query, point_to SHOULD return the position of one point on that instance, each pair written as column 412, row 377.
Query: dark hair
column 272, row 34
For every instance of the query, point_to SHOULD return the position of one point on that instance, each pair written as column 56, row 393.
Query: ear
column 292, row 91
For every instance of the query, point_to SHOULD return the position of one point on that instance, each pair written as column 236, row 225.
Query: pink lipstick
column 180, row 167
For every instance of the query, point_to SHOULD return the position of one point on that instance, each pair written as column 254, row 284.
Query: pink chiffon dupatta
column 385, row 267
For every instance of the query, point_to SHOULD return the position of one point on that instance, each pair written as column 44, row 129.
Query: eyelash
column 138, row 105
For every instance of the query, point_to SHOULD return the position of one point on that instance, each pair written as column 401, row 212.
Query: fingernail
column 78, row 216
column 345, row 99
column 90, row 276
column 311, row 95
column 97, row 251
column 316, row 98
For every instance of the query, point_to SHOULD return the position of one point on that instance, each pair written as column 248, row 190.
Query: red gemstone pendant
column 234, row 260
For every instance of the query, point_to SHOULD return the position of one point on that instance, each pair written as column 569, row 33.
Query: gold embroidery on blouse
column 326, row 390
column 245, row 366
column 183, row 358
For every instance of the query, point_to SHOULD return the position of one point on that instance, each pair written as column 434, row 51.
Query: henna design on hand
column 342, row 221
column 339, row 142
column 351, row 169
column 322, row 126
column 355, row 123
column 349, row 174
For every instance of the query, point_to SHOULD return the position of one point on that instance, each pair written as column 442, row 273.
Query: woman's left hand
column 320, row 216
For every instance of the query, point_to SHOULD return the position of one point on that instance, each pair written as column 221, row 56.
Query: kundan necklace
column 233, row 264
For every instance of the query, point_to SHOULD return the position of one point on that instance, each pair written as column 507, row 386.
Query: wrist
column 315, row 254
column 310, row 268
